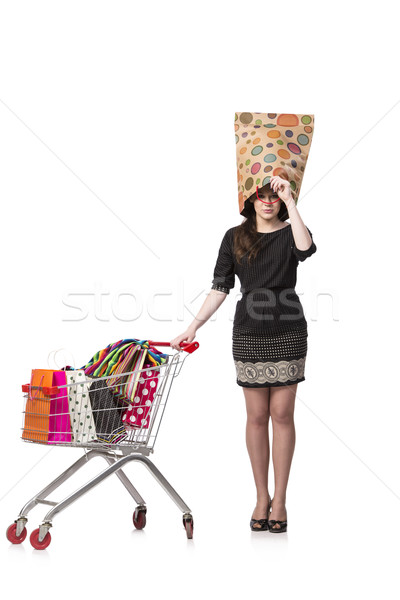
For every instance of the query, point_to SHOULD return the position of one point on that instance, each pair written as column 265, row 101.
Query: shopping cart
column 105, row 438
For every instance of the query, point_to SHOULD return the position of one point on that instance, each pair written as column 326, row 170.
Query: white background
column 118, row 181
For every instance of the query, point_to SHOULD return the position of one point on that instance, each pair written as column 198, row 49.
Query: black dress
column 269, row 337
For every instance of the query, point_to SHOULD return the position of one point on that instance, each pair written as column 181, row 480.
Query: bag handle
column 53, row 355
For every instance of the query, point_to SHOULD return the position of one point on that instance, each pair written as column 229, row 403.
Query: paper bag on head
column 270, row 144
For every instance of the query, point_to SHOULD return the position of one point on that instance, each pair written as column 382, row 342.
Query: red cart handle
column 187, row 347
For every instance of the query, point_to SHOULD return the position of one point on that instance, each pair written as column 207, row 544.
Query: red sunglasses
column 264, row 200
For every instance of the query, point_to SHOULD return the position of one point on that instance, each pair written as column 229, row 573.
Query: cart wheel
column 188, row 525
column 35, row 540
column 139, row 518
column 11, row 534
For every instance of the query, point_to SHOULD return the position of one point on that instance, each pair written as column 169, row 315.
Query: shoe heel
column 282, row 525
column 263, row 522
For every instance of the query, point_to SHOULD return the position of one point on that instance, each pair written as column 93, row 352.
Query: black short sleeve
column 224, row 272
column 303, row 254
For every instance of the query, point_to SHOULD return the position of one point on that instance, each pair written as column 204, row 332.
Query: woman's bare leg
column 257, row 442
column 282, row 401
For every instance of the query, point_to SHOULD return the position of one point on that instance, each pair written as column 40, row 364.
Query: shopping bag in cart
column 59, row 422
column 80, row 408
column 104, row 361
column 46, row 411
column 136, row 415
column 132, row 362
column 121, row 365
column 140, row 387
column 96, row 360
column 107, row 413
column 138, row 356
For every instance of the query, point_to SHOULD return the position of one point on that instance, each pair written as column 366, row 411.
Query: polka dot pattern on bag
column 138, row 413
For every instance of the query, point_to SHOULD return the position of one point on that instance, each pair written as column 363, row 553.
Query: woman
column 269, row 333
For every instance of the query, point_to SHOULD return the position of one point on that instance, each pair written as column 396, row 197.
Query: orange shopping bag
column 37, row 411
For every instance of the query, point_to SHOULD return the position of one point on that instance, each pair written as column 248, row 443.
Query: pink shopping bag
column 60, row 421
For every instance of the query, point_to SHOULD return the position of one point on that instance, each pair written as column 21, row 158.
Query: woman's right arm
column 222, row 283
column 210, row 305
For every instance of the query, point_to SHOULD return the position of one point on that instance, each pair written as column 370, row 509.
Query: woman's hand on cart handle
column 188, row 336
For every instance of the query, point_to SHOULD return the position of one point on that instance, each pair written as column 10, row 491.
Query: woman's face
column 267, row 207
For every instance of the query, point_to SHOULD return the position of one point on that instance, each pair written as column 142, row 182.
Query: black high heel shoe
column 263, row 522
column 282, row 525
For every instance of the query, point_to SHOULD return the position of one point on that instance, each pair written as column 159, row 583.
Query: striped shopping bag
column 124, row 386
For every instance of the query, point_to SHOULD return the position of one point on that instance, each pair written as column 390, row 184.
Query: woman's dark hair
column 246, row 239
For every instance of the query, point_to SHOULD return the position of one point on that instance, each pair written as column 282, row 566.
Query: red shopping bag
column 47, row 411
